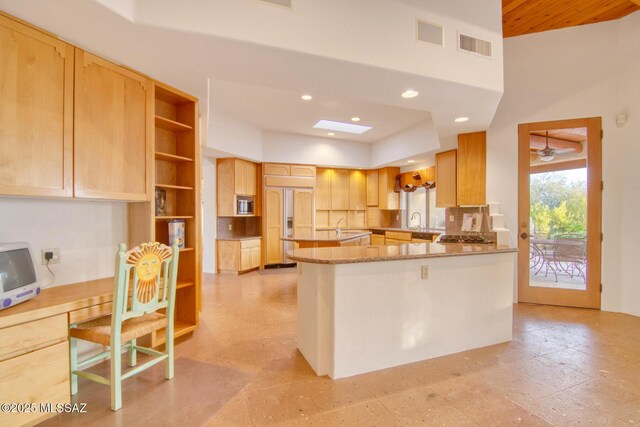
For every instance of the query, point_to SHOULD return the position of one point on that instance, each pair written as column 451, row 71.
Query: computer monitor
column 18, row 275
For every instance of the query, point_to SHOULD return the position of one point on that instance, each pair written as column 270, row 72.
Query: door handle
column 524, row 236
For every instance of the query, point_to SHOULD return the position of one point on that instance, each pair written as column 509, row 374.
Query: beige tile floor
column 565, row 367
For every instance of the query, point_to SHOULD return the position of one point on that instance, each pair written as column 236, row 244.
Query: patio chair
column 569, row 256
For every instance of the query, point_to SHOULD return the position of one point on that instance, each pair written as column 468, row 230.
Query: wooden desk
column 34, row 345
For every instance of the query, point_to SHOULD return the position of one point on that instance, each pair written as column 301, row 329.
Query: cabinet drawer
column 398, row 235
column 255, row 243
column 29, row 336
column 420, row 241
column 41, row 376
column 277, row 169
column 303, row 170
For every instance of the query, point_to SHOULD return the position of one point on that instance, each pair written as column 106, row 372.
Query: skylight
column 341, row 127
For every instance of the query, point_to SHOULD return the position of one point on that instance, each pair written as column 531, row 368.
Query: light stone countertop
column 326, row 236
column 358, row 254
column 239, row 238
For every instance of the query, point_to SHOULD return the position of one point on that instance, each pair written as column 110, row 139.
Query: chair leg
column 132, row 353
column 73, row 364
column 168, row 374
column 116, row 378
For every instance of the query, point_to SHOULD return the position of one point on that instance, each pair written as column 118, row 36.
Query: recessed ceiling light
column 341, row 127
column 355, row 119
column 410, row 93
column 461, row 119
column 411, row 161
column 331, row 134
column 307, row 97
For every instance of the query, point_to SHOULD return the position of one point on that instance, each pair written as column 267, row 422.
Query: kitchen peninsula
column 365, row 308
column 329, row 238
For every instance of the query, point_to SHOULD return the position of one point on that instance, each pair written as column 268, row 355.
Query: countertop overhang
column 361, row 254
column 326, row 236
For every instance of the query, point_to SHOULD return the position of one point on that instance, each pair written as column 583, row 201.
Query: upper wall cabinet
column 112, row 131
column 237, row 178
column 387, row 197
column 36, row 107
column 357, row 190
column 372, row 188
column 446, row 165
column 472, row 169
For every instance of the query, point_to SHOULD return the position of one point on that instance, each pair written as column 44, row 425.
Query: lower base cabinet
column 34, row 370
column 238, row 256
column 377, row 239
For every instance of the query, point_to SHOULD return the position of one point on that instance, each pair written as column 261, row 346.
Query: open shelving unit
column 177, row 172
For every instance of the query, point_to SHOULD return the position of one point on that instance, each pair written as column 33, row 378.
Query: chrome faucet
column 419, row 219
column 338, row 226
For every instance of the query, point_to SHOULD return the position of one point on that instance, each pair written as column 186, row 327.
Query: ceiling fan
column 548, row 153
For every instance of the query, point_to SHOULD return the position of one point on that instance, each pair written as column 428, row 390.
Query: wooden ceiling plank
column 509, row 5
column 543, row 15
column 546, row 11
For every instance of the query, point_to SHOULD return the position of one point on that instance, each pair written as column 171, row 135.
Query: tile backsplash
column 240, row 227
column 457, row 214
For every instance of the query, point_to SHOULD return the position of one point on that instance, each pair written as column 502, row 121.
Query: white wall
column 376, row 33
column 227, row 134
column 87, row 233
column 209, row 229
column 418, row 139
column 292, row 148
column 579, row 72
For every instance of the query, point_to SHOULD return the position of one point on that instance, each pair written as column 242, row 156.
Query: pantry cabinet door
column 36, row 112
column 113, row 131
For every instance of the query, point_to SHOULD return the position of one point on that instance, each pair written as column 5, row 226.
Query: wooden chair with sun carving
column 145, row 281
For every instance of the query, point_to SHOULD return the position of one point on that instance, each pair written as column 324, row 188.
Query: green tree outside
column 558, row 205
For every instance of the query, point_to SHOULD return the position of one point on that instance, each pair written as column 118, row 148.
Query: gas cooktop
column 465, row 238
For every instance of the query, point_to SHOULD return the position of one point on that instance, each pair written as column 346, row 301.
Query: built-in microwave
column 245, row 206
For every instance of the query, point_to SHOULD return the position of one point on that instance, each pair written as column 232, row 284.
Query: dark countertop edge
column 347, row 237
column 505, row 250
column 239, row 238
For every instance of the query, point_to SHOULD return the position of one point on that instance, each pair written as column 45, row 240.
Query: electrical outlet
column 55, row 258
column 230, row 227
column 451, row 218
column 424, row 271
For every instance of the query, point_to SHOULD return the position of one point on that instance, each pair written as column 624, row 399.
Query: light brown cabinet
column 372, row 188
column 303, row 212
column 236, row 177
column 112, row 131
column 446, row 179
column 472, row 169
column 340, row 189
column 387, row 197
column 357, row 190
column 238, row 256
column 272, row 230
column 303, row 170
column 323, row 189
column 244, row 178
column 377, row 239
column 36, row 112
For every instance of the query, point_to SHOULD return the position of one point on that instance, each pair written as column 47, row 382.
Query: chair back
column 570, row 247
column 145, row 281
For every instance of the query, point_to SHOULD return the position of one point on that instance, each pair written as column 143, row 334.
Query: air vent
column 428, row 32
column 285, row 3
column 473, row 45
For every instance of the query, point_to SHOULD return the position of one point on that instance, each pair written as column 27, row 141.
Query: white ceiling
column 261, row 84
column 284, row 111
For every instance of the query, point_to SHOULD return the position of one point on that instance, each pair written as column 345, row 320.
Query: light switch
column 451, row 218
column 230, row 227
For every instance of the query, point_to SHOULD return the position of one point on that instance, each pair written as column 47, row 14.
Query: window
column 422, row 201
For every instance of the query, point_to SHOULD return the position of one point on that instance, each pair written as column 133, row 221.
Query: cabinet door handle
column 524, row 236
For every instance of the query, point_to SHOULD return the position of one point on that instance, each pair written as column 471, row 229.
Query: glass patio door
column 559, row 238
